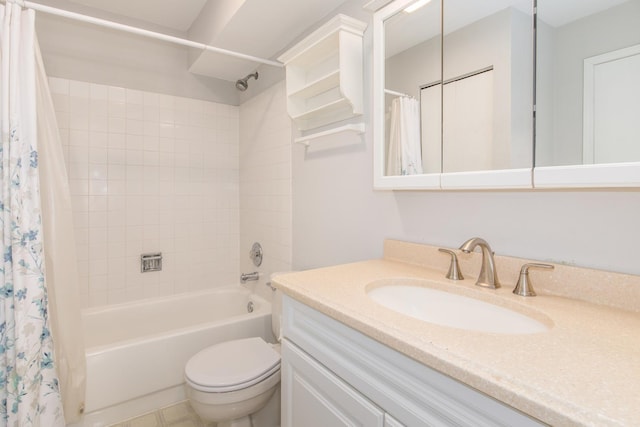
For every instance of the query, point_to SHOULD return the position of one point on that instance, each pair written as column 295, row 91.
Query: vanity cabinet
column 315, row 397
column 324, row 74
column 332, row 375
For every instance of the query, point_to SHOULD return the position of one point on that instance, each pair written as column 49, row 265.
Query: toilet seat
column 232, row 365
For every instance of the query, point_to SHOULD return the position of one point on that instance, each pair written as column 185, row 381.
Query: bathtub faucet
column 244, row 277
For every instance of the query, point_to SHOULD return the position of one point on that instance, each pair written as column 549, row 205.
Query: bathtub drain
column 250, row 307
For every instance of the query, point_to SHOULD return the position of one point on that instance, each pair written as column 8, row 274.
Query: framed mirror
column 453, row 111
column 407, row 60
column 588, row 94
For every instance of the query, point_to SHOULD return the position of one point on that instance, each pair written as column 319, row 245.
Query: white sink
column 453, row 310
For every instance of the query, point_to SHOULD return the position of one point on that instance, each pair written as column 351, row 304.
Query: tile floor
column 180, row 415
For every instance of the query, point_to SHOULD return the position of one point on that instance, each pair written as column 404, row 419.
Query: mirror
column 412, row 90
column 488, row 85
column 447, row 107
column 588, row 85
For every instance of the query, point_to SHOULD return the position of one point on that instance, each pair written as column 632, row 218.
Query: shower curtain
column 405, row 152
column 30, row 389
column 60, row 253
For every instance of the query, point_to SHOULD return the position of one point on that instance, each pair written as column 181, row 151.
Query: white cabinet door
column 312, row 396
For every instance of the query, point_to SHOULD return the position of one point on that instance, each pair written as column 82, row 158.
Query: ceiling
column 166, row 13
column 260, row 28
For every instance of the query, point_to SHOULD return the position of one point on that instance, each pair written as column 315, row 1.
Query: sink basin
column 453, row 310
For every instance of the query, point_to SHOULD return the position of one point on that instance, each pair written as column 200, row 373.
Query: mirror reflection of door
column 487, row 117
column 612, row 107
column 468, row 123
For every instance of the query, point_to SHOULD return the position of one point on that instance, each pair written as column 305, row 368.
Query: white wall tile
column 116, row 125
column 61, row 102
column 117, row 109
column 134, row 111
column 136, row 172
column 59, row 86
column 134, row 97
column 99, row 107
column 79, row 89
column 98, row 122
column 264, row 153
column 116, row 157
column 98, row 155
column 99, row 138
column 98, row 92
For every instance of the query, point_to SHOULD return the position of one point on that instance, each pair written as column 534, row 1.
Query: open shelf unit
column 324, row 74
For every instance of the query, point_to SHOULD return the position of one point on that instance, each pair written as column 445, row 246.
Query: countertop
column 584, row 371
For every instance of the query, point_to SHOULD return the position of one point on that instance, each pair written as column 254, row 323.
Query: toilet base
column 240, row 422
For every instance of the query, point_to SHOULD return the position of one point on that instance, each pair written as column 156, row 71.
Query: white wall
column 149, row 173
column 265, row 184
column 338, row 218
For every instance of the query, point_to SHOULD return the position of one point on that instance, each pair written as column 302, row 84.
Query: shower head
column 243, row 84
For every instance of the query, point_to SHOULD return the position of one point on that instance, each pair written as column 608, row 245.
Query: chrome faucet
column 488, row 276
column 244, row 277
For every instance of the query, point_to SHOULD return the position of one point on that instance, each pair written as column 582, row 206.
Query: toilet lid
column 232, row 365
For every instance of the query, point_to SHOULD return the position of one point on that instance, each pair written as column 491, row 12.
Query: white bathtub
column 137, row 349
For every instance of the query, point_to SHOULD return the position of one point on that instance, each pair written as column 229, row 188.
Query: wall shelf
column 318, row 86
column 358, row 128
column 324, row 74
column 321, row 115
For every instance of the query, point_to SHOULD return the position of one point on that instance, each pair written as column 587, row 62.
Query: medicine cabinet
column 455, row 78
column 453, row 97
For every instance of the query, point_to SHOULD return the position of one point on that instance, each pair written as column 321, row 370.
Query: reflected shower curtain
column 30, row 392
column 405, row 152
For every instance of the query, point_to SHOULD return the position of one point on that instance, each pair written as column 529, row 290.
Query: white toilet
column 228, row 382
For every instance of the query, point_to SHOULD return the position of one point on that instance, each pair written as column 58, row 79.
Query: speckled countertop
column 584, row 371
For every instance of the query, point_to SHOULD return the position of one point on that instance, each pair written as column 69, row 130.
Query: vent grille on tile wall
column 151, row 262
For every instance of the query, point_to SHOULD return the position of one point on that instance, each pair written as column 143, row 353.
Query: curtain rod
column 396, row 93
column 139, row 31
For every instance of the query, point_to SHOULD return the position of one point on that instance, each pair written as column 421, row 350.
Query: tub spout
column 244, row 277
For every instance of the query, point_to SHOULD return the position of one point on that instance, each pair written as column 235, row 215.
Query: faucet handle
column 454, row 272
column 524, row 287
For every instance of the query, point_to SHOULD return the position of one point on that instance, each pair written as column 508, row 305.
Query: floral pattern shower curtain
column 29, row 391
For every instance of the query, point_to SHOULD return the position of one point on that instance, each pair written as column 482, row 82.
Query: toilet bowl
column 228, row 382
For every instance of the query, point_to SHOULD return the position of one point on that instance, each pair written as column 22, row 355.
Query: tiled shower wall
column 149, row 173
column 265, row 184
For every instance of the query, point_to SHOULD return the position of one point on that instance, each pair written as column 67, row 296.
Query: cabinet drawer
column 312, row 396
